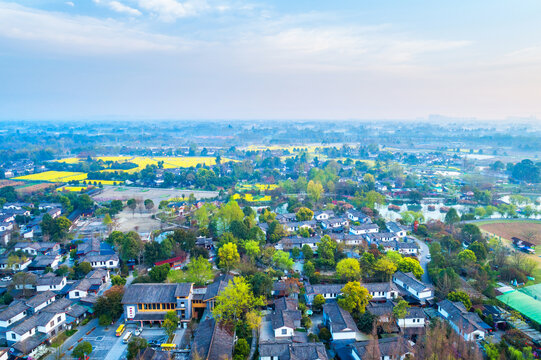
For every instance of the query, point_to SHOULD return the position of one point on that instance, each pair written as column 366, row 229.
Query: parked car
column 138, row 331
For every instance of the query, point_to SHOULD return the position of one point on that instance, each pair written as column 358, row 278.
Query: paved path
column 82, row 330
column 424, row 252
column 116, row 350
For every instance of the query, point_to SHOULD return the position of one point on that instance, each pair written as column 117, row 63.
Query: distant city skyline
column 244, row 59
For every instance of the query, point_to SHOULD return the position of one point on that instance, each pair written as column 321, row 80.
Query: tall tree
column 236, row 301
column 348, row 269
column 229, row 256
column 354, row 297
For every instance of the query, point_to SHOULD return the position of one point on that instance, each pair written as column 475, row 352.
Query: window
column 284, row 331
column 59, row 318
column 76, row 293
column 140, row 306
column 13, row 336
column 52, row 323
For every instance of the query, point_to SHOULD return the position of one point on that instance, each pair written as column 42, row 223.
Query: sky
column 274, row 59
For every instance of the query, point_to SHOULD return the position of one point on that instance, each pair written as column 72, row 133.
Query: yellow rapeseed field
column 72, row 188
column 53, row 176
column 169, row 162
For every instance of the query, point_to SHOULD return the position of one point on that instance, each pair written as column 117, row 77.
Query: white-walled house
column 415, row 318
column 382, row 290
column 16, row 311
column 51, row 282
column 101, row 261
column 328, row 291
column 398, row 229
column 41, row 300
column 339, row 321
column 363, row 229
column 466, row 324
column 286, row 317
column 323, row 215
column 413, row 287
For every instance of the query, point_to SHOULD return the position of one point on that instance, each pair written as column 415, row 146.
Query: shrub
column 324, row 334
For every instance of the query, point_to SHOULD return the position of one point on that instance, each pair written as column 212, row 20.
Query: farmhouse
column 466, row 324
column 339, row 321
column 413, row 287
column 328, row 291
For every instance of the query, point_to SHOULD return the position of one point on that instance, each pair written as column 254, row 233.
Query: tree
column 242, row 349
column 199, row 271
column 107, row 221
column 314, row 190
column 452, row 217
column 83, row 268
column 275, row 232
column 132, row 204
column 348, row 269
column 159, row 273
column 82, row 350
column 354, row 297
column 412, row 265
column 105, row 320
column 304, row 214
column 229, row 256
column 471, row 233
column 308, row 269
column 400, row 310
column 318, row 302
column 118, row 280
column 461, row 296
column 252, row 249
column 135, row 345
column 307, row 252
column 262, row 284
column 110, row 303
column 170, row 323
column 385, row 268
column 234, row 303
column 325, row 251
column 23, row 279
column 185, row 238
column 282, row 260
column 149, row 204
column 479, row 249
column 467, row 257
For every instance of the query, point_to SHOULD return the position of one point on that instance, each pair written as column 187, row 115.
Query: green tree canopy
column 354, row 297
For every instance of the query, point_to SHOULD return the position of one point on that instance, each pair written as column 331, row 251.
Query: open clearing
column 156, row 195
column 508, row 230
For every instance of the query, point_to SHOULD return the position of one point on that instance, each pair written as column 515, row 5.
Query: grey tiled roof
column 213, row 341
column 217, row 286
column 391, row 347
column 323, row 289
column 40, row 298
column 286, row 318
column 340, row 319
column 380, row 287
column 293, row 351
column 154, row 293
column 13, row 309
column 49, row 279
column 410, row 280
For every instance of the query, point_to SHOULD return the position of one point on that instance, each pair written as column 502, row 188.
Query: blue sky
column 244, row 59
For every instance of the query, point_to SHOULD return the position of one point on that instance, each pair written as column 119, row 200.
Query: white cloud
column 50, row 31
column 170, row 10
column 70, row 3
column 119, row 7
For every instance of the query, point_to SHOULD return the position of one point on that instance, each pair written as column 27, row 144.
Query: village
column 260, row 254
